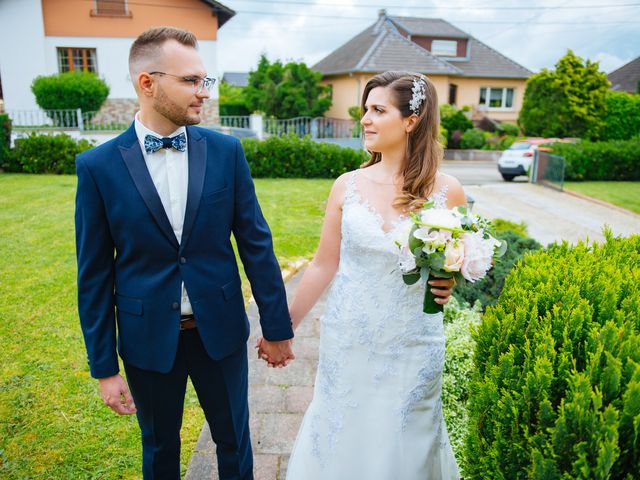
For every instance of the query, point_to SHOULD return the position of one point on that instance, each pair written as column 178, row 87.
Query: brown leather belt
column 187, row 322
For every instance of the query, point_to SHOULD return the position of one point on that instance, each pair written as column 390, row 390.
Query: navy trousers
column 221, row 387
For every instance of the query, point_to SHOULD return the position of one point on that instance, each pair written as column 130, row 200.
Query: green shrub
column 355, row 114
column 506, row 128
column 459, row 321
column 455, row 122
column 5, row 137
column 70, row 90
column 612, row 160
column 555, row 392
column 622, row 120
column 293, row 157
column 39, row 153
column 473, row 138
column 487, row 290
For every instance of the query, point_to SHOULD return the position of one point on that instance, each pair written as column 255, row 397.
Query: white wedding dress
column 376, row 412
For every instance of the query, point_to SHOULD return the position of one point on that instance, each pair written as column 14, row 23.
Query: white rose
column 406, row 260
column 453, row 256
column 478, row 253
column 440, row 218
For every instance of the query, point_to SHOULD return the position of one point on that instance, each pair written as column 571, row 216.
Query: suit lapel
column 133, row 159
column 197, row 147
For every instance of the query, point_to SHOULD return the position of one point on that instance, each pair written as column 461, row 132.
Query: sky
column 534, row 33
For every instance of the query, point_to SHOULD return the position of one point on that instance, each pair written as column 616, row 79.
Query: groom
column 155, row 209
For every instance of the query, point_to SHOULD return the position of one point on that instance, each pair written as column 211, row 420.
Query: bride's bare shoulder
column 455, row 192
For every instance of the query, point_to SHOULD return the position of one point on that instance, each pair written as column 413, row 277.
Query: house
column 464, row 70
column 626, row 78
column 53, row 36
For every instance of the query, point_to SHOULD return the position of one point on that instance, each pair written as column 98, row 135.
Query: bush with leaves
column 455, row 122
column 5, row 137
column 622, row 120
column 356, row 115
column 487, row 290
column 506, row 128
column 293, row 157
column 39, row 153
column 472, row 139
column 566, row 102
column 617, row 160
column 555, row 391
column 459, row 321
column 70, row 90
column 286, row 91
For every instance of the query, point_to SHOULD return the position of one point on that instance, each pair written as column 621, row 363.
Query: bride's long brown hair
column 423, row 151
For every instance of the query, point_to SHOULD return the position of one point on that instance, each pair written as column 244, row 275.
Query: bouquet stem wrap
column 429, row 305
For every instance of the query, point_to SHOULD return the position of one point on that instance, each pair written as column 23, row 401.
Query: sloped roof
column 428, row 26
column 223, row 12
column 239, row 79
column 626, row 78
column 381, row 47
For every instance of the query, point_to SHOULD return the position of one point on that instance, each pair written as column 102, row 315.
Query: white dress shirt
column 169, row 171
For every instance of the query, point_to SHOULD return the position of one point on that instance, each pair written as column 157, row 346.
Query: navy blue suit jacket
column 131, row 267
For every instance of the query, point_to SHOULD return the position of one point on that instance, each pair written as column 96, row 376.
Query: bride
column 376, row 412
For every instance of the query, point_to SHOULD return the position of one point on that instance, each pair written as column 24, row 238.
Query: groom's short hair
column 146, row 48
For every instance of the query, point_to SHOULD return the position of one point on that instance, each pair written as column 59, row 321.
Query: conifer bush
column 555, row 391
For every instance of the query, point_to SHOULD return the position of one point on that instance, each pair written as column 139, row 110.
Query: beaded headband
column 419, row 94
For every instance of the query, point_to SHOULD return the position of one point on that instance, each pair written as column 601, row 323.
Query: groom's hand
column 115, row 394
column 442, row 289
column 277, row 354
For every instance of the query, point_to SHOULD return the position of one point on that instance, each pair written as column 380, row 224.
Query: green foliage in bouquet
column 39, row 153
column 487, row 290
column 293, row 157
column 555, row 392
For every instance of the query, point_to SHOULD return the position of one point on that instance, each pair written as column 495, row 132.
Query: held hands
column 276, row 354
column 115, row 394
column 442, row 289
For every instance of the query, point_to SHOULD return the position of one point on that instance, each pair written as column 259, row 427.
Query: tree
column 286, row 91
column 231, row 100
column 567, row 102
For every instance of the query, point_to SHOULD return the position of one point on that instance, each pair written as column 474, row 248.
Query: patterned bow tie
column 153, row 144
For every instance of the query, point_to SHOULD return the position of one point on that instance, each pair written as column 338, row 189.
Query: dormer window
column 445, row 48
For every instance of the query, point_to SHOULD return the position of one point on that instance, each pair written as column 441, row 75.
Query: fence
column 548, row 170
column 317, row 128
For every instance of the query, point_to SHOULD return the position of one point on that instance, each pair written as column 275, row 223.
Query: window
column 111, row 7
column 496, row 97
column 76, row 59
column 453, row 93
column 445, row 48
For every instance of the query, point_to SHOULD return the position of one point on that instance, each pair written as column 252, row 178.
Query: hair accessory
column 419, row 95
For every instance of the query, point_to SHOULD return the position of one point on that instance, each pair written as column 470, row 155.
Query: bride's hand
column 442, row 289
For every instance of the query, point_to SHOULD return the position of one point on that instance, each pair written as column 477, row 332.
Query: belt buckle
column 184, row 320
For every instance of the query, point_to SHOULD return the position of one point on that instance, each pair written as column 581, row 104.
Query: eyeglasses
column 199, row 83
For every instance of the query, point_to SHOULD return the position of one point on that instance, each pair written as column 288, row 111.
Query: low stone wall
column 474, row 155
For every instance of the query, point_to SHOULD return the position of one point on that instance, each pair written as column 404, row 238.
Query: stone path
column 278, row 399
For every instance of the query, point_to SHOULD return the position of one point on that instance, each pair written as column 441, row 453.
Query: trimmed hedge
column 39, row 153
column 555, row 392
column 293, row 157
column 613, row 160
column 5, row 137
column 472, row 138
column 70, row 90
column 622, row 120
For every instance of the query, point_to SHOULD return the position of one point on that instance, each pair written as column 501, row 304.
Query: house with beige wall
column 54, row 36
column 464, row 70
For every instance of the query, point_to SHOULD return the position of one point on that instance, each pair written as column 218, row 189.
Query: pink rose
column 453, row 256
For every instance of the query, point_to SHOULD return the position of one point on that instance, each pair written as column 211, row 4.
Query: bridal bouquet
column 447, row 243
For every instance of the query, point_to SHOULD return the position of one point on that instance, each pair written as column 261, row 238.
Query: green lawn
column 52, row 421
column 623, row 194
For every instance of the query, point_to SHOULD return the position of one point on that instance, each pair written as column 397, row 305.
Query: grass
column 623, row 194
column 52, row 421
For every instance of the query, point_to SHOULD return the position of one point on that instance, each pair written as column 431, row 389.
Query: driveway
column 551, row 215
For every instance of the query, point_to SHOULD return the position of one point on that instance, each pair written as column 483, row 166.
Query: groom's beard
column 177, row 114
